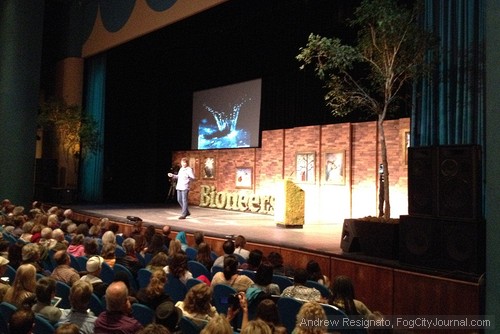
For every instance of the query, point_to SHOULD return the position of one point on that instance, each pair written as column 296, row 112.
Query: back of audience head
column 255, row 258
column 117, row 297
column 199, row 237
column 204, row 250
column 45, row 290
column 80, row 294
column 90, row 247
column 218, row 325
column 129, row 245
column 264, row 274
column 300, row 276
column 267, row 310
column 22, row 321
column 240, row 241
column 342, row 290
column 108, row 237
column 159, row 260
column 156, row 244
column 168, row 315
column 276, row 259
column 310, row 319
column 198, row 299
column 314, row 270
column 30, row 253
column 228, row 247
column 108, row 251
column 154, row 329
column 174, row 247
column 256, row 327
column 178, row 264
column 67, row 328
column 157, row 283
column 230, row 266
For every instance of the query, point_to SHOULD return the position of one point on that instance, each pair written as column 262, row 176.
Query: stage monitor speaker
column 442, row 244
column 460, row 190
column 349, row 241
column 422, row 181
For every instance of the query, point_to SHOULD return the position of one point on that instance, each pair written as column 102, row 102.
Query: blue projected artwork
column 227, row 117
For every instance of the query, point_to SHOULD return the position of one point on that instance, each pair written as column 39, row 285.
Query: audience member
column 199, row 238
column 4, row 285
column 26, row 235
column 154, row 329
column 277, row 261
column 46, row 240
column 342, row 296
column 264, row 279
column 159, row 261
column 130, row 260
column 311, row 319
column 60, row 242
column 197, row 304
column 137, row 229
column 116, row 318
column 157, row 244
column 267, row 310
column 91, row 247
column 168, row 315
column 63, row 271
column 254, row 260
column 94, row 266
column 45, row 291
column 178, row 267
column 154, row 294
column 239, row 247
column 79, row 314
column 67, row 329
column 166, row 235
column 108, row 253
column 15, row 256
column 76, row 247
column 228, row 248
column 108, row 238
column 315, row 274
column 31, row 254
column 219, row 324
column 22, row 321
column 204, row 255
column 299, row 290
column 181, row 236
column 229, row 275
column 148, row 234
column 22, row 292
column 256, row 327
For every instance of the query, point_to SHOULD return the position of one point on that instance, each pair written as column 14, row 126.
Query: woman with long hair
column 159, row 261
column 22, row 292
column 264, row 279
column 154, row 294
column 204, row 255
column 343, row 297
column 315, row 274
column 178, row 267
column 197, row 304
column 229, row 275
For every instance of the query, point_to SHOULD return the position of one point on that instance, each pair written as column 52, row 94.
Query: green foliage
column 77, row 133
column 371, row 75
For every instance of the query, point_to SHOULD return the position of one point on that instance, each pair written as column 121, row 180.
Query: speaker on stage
column 422, row 181
column 349, row 241
column 459, row 185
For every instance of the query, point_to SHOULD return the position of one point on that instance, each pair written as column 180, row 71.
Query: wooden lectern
column 289, row 205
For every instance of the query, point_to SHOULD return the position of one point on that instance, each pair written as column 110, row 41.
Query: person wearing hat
column 4, row 284
column 93, row 266
column 168, row 315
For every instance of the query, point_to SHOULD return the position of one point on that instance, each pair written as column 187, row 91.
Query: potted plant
column 373, row 76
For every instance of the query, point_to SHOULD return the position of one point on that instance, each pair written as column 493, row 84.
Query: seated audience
column 229, row 275
column 299, row 290
column 256, row 327
column 22, row 292
column 63, row 271
column 181, row 236
column 79, row 314
column 315, row 274
column 4, row 285
column 197, row 304
column 254, row 260
column 94, row 266
column 199, row 238
column 239, row 247
column 166, row 235
column 342, row 296
column 178, row 267
column 204, row 255
column 157, row 244
column 108, row 253
column 277, row 261
column 154, row 329
column 168, row 315
column 67, row 329
column 15, row 254
column 91, row 247
column 219, row 324
column 311, row 319
column 31, row 255
column 130, row 260
column 228, row 248
column 154, row 294
column 60, row 242
column 264, row 279
column 45, row 291
column 159, row 261
column 76, row 247
column 267, row 310
column 22, row 321
column 116, row 318
column 175, row 247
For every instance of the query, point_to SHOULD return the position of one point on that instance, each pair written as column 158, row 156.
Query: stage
column 256, row 228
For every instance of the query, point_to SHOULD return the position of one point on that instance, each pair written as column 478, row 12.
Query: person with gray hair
column 116, row 318
column 130, row 260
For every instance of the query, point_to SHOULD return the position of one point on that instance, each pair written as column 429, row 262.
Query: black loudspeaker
column 442, row 244
column 349, row 241
column 460, row 190
column 422, row 181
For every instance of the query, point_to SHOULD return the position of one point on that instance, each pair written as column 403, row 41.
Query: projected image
column 227, row 117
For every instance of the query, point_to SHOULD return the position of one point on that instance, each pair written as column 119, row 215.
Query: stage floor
column 256, row 228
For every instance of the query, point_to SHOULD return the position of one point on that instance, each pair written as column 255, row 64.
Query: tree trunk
column 385, row 164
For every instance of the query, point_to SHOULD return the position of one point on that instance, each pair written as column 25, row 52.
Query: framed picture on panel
column 334, row 167
column 244, row 177
column 305, row 167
